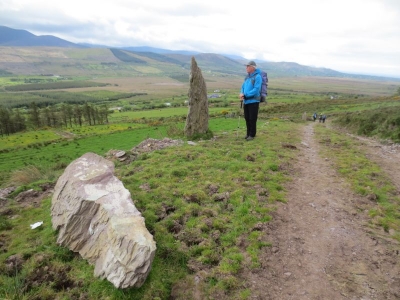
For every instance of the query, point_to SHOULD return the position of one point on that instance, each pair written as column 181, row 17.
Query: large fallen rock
column 95, row 216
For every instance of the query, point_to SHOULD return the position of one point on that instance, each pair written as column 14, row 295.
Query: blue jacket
column 251, row 87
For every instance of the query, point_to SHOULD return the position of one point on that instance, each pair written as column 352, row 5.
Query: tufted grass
column 366, row 177
column 194, row 228
column 200, row 227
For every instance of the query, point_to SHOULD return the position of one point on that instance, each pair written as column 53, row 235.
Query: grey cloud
column 192, row 10
column 391, row 4
column 49, row 22
column 295, row 40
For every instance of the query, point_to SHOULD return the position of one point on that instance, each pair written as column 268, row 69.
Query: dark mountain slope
column 23, row 38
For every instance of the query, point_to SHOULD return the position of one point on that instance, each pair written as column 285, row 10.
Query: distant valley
column 23, row 53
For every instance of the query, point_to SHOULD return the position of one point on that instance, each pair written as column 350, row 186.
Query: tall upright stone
column 197, row 118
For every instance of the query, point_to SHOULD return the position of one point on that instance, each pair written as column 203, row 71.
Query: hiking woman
column 250, row 95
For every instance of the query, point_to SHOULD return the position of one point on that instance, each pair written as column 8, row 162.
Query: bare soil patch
column 322, row 247
column 33, row 198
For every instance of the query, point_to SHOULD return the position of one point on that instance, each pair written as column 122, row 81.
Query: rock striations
column 95, row 216
column 197, row 118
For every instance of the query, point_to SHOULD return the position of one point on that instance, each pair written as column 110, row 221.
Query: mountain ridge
column 222, row 63
column 20, row 37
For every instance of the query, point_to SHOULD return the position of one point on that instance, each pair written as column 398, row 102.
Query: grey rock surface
column 197, row 118
column 95, row 216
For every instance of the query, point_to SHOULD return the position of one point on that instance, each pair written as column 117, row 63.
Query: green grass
column 241, row 172
column 49, row 148
column 210, row 230
column 194, row 228
column 20, row 140
column 383, row 122
column 160, row 113
column 181, row 178
column 366, row 177
column 58, row 154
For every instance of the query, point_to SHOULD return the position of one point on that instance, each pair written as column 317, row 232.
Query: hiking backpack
column 264, row 85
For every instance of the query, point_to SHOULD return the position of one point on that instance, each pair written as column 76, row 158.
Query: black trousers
column 251, row 115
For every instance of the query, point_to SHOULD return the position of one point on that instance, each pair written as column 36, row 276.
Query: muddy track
column 322, row 247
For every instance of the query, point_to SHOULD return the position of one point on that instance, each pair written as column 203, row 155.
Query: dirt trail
column 322, row 248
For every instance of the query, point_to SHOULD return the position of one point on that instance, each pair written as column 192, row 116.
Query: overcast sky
column 353, row 36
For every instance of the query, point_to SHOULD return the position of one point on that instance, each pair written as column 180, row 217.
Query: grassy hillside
column 102, row 62
column 203, row 203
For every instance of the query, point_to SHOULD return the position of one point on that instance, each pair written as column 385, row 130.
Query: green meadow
column 47, row 149
column 211, row 233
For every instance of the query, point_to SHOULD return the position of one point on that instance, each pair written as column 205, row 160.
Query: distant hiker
column 314, row 116
column 323, row 118
column 250, row 98
column 320, row 118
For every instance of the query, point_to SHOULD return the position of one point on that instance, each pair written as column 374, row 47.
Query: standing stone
column 197, row 118
column 95, row 216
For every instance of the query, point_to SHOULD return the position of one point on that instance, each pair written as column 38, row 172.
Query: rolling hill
column 23, row 53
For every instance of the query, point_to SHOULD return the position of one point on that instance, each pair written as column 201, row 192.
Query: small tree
column 34, row 115
column 19, row 121
column 5, row 122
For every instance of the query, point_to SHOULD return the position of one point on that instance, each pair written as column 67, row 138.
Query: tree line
column 65, row 115
column 50, row 98
column 53, row 85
